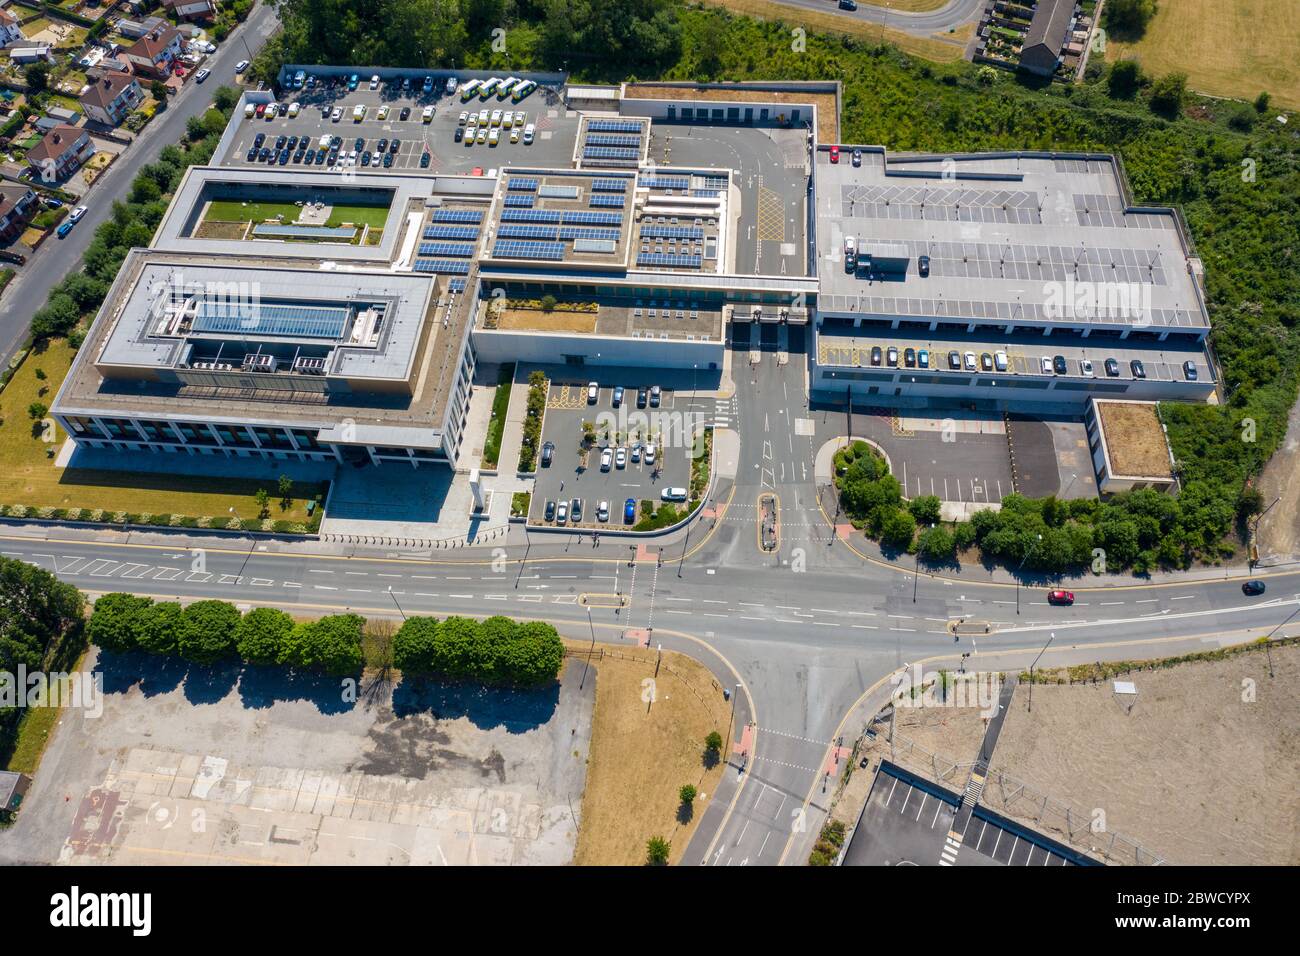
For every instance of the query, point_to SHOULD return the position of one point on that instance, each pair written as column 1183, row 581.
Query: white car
column 636, row 452
column 1046, row 366
column 76, row 214
column 202, row 75
column 620, row 458
column 494, row 137
column 529, row 130
column 1085, row 366
column 520, row 116
column 496, row 118
column 1000, row 361
column 294, row 108
column 593, row 391
column 602, row 511
column 606, row 459
column 650, row 454
column 463, row 118
column 970, row 361
column 483, row 117
column 481, row 138
column 514, row 135
column 508, row 118
column 241, row 66
column 272, row 111
column 451, row 85
column 673, row 494
column 382, row 114
column 336, row 115
column 374, row 82
column 562, row 512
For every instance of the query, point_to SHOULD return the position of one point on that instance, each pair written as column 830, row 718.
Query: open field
column 1201, row 767
column 642, row 753
column 937, row 50
column 1235, row 48
column 28, row 476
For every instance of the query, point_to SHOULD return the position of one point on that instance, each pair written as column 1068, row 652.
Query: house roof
column 1049, row 25
column 55, row 143
column 151, row 44
column 10, row 195
column 7, row 18
column 106, row 88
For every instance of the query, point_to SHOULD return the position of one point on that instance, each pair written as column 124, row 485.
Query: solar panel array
column 559, row 192
column 665, row 259
column 672, row 232
column 456, row 285
column 666, row 182
column 715, row 182
column 447, row 249
column 613, row 126
column 523, row 184
column 306, row 321
column 576, row 232
column 609, row 185
column 443, row 266
column 510, row 249
column 606, row 139
column 530, row 215
column 457, row 215
column 518, row 200
column 521, row 231
column 587, row 218
column 609, row 152
column 451, row 232
column 608, row 200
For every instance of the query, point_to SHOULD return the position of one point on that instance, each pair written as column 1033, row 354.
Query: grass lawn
column 232, row 210
column 34, row 731
column 1226, row 47
column 640, row 756
column 29, row 477
column 497, row 424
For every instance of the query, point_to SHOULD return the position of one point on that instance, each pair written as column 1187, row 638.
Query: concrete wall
column 537, row 348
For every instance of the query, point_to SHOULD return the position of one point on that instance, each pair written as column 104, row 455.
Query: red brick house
column 60, row 153
column 18, row 204
column 153, row 54
column 110, row 97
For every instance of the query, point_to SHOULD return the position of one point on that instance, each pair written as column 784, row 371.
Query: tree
column 713, row 742
column 1128, row 18
column 687, row 794
column 897, row 529
column 225, row 98
column 285, row 486
column 261, row 635
column 157, row 627
column 114, row 623
column 207, row 632
column 936, row 545
column 158, row 90
column 925, row 509
column 331, row 644
column 1168, row 94
column 1262, row 101
column 656, row 851
column 415, row 647
column 38, row 77
column 37, row 410
column 263, row 499
column 1124, row 79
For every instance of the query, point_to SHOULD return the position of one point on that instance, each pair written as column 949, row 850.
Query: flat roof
column 555, row 219
column 1136, row 446
column 1011, row 237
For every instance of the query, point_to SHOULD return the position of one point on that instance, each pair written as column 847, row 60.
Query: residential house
column 31, row 54
column 153, row 54
column 1041, row 51
column 109, row 98
column 59, row 153
column 138, row 28
column 192, row 9
column 18, row 203
column 10, row 32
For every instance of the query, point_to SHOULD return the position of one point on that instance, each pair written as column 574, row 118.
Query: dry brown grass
column 1226, row 47
column 531, row 320
column 1134, row 439
column 642, row 754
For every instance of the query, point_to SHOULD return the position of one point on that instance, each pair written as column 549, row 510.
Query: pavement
column 56, row 258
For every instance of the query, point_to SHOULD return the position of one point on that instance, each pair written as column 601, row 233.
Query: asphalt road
column 952, row 14
column 56, row 258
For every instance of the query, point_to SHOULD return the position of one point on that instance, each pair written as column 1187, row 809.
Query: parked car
column 202, row 75
column 629, row 511
column 876, row 355
column 1112, row 368
column 1060, row 597
column 923, row 266
column 673, row 494
column 618, row 396
column 424, row 159
column 909, row 358
column 529, row 131
column 1000, row 361
column 923, row 358
column 1253, row 588
column 954, row 360
column 857, row 157
column 1046, row 365
column 970, row 361
column 606, row 459
column 241, row 66
column 575, row 509
column 1138, row 369
column 655, row 396
column 1189, row 371
column 1085, row 367
column 620, row 458
column 650, row 454
column 562, row 512
column 549, row 513
column 1058, row 365
column 602, row 510
column 593, row 392
column 835, row 154
column 64, row 229
column 642, row 394
column 891, row 357
column 548, row 453
column 405, row 113
column 986, row 362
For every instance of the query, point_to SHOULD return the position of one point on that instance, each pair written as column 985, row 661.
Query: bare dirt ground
column 1204, row 769
column 1279, row 529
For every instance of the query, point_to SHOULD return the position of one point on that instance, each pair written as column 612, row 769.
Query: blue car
column 64, row 229
column 629, row 511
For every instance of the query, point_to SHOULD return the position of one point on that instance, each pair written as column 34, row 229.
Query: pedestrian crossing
column 950, row 847
column 724, row 412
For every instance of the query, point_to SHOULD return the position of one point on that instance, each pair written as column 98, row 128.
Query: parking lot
column 627, row 428
column 553, row 144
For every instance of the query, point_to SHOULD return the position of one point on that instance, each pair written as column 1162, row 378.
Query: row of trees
column 212, row 632
column 495, row 651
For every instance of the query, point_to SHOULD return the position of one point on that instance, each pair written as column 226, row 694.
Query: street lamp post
column 394, row 597
column 1051, row 637
column 590, row 651
column 1021, row 565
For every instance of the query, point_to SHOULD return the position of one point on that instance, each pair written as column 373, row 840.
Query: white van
column 250, row 111
column 294, row 109
column 507, row 87
column 489, row 87
column 359, row 113
column 451, row 85
column 427, row 115
column 529, row 131
column 469, row 89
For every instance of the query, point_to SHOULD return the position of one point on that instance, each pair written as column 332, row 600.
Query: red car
column 835, row 154
column 1060, row 597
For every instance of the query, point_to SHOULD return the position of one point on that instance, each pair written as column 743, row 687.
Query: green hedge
column 533, row 421
column 497, row 424
column 495, row 651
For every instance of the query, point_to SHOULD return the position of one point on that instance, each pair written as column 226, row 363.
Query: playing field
column 1226, row 47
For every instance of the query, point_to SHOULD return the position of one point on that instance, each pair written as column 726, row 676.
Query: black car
column 406, row 112
column 252, row 154
column 365, row 158
column 548, row 453
column 360, row 143
column 923, row 265
column 259, row 139
column 298, row 156
column 1139, row 371
column 655, row 395
column 1058, row 365
column 393, row 146
column 1112, row 367
column 382, row 145
column 909, row 358
column 388, row 160
column 336, row 142
column 310, row 157
column 284, row 157
column 320, row 157
column 293, row 143
column 460, row 133
column 875, row 355
column 550, row 511
column 642, row 394
column 424, row 160
column 575, row 510
column 986, row 362
column 1252, row 588
column 264, row 154
column 954, row 360
column 280, row 141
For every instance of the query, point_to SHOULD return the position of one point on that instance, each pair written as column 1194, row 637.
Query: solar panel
column 443, row 266
column 607, row 200
column 530, row 215
column 577, row 232
column 666, row 182
column 456, row 285
column 605, row 139
column 508, row 249
column 588, row 218
column 663, row 259
column 672, row 232
column 706, row 193
column 609, row 185
column 451, row 232
column 527, row 184
column 447, row 249
column 559, row 192
column 609, row 152
column 457, row 215
column 521, row 231
column 299, row 320
column 613, row 126
column 520, row 199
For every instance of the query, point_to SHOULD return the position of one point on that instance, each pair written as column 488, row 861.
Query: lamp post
column 732, row 719
column 591, row 651
column 394, row 597
column 1022, row 564
column 1051, row 637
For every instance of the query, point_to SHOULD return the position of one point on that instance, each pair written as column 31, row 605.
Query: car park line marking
column 324, row 587
column 1183, row 597
column 132, row 574
column 461, row 597
column 358, row 590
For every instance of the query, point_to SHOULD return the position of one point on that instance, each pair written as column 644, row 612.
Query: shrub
column 656, row 851
column 331, row 644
